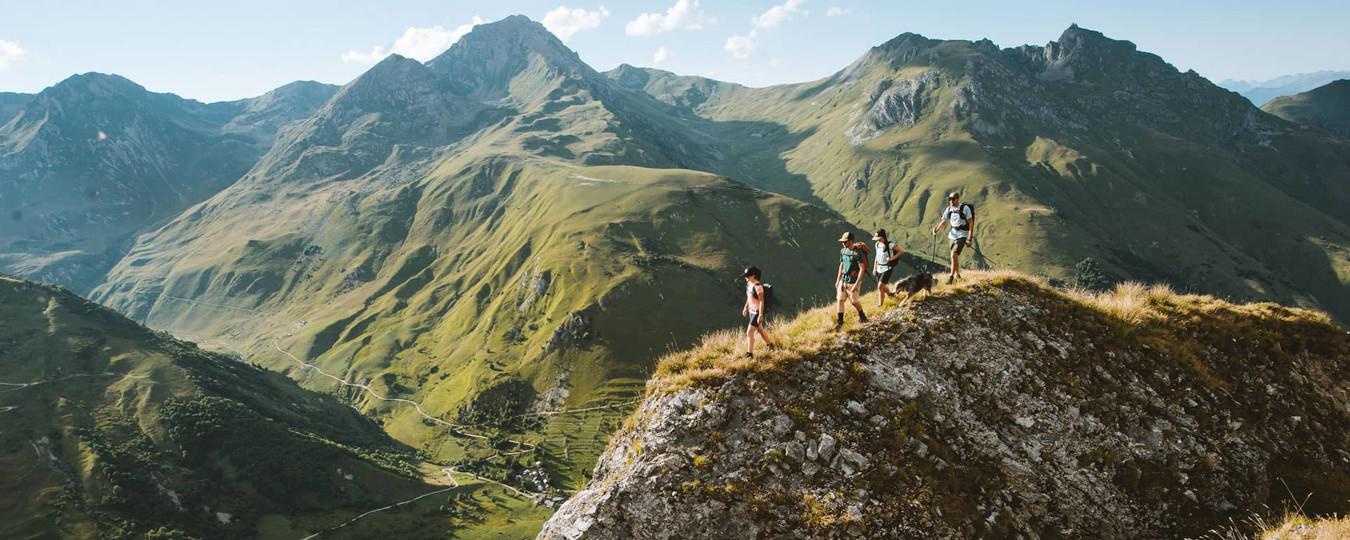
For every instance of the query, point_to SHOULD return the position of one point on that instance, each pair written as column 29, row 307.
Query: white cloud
column 836, row 11
column 11, row 53
column 418, row 43
column 779, row 14
column 684, row 15
column 661, row 55
column 742, row 46
column 565, row 23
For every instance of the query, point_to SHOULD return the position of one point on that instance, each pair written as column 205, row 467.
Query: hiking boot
column 749, row 355
column 862, row 318
column 950, row 279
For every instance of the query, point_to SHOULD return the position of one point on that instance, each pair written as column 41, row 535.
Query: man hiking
column 961, row 218
column 753, row 310
column 852, row 264
column 888, row 256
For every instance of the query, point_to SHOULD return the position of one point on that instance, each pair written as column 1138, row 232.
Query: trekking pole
column 932, row 249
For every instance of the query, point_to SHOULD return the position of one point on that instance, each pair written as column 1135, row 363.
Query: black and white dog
column 922, row 281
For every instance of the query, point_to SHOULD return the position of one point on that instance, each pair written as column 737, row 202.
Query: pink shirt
column 751, row 298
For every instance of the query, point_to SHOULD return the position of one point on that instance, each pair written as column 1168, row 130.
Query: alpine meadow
column 499, row 294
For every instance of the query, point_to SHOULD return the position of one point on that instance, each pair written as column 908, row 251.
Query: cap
column 750, row 271
column 881, row 233
column 847, row 237
column 953, row 195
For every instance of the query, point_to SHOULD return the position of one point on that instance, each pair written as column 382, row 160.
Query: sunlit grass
column 1292, row 526
column 1129, row 305
column 1300, row 527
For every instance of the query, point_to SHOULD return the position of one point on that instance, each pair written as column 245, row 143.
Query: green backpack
column 854, row 259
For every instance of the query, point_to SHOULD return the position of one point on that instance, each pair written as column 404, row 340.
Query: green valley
column 113, row 430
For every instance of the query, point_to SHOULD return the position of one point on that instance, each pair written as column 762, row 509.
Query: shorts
column 850, row 279
column 885, row 277
column 754, row 319
column 958, row 245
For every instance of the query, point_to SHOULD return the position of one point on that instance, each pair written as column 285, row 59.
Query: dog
column 922, row 281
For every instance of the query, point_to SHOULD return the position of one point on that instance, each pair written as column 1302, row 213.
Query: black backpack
column 768, row 300
column 961, row 211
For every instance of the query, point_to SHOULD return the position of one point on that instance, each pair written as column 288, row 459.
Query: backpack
column 885, row 255
column 856, row 262
column 961, row 211
column 768, row 300
column 768, row 294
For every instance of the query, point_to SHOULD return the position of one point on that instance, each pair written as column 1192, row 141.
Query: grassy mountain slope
column 1326, row 107
column 486, row 272
column 91, row 162
column 1083, row 148
column 996, row 408
column 112, row 430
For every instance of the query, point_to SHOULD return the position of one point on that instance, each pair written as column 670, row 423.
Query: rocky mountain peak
column 96, row 85
column 1088, row 55
column 488, row 57
column 388, row 81
column 900, row 49
column 629, row 75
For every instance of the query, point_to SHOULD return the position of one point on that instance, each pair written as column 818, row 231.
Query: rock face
column 893, row 104
column 1009, row 411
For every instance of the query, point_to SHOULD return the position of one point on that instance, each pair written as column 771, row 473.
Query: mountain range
column 1262, row 92
column 510, row 239
column 94, row 161
column 1326, row 107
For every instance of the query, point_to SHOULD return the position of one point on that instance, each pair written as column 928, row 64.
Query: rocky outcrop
column 893, row 104
column 1008, row 411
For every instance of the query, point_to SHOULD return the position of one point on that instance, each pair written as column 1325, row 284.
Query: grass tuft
column 1300, row 527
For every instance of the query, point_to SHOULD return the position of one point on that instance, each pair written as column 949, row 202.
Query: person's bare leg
column 841, row 298
column 956, row 265
column 750, row 340
column 881, row 294
column 857, row 304
column 764, row 335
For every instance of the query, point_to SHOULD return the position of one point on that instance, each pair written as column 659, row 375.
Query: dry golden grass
column 720, row 353
column 1131, row 304
column 1300, row 527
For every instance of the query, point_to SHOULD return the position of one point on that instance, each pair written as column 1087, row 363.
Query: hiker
column 756, row 296
column 888, row 256
column 961, row 217
column 852, row 262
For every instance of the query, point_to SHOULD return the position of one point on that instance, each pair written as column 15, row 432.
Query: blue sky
column 226, row 50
